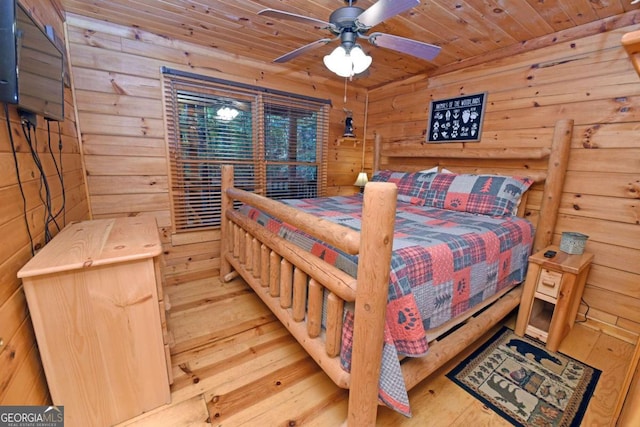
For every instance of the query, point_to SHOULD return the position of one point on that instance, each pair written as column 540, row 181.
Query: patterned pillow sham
column 412, row 186
column 491, row 195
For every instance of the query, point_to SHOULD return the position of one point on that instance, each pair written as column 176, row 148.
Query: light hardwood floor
column 234, row 364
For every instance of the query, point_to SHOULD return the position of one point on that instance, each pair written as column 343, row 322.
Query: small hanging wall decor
column 348, row 124
column 456, row 119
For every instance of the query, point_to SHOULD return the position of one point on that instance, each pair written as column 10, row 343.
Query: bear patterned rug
column 528, row 386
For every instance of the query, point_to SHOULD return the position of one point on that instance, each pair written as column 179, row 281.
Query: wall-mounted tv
column 31, row 65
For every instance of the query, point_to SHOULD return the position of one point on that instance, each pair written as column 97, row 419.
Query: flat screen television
column 31, row 65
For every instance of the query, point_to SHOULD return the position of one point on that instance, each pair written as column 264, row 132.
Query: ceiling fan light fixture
column 360, row 60
column 338, row 62
column 347, row 64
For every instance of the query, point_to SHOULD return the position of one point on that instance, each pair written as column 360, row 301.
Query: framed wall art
column 456, row 119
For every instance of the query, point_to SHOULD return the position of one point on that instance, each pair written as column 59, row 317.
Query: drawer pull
column 548, row 283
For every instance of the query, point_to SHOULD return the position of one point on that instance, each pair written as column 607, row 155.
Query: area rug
column 528, row 386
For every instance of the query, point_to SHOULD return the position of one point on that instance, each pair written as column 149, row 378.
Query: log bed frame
column 291, row 282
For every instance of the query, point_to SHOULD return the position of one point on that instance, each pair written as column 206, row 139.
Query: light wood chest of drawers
column 95, row 299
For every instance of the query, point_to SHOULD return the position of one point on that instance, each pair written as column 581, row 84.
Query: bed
column 343, row 322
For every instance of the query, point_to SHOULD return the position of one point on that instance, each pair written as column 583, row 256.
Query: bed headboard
column 546, row 165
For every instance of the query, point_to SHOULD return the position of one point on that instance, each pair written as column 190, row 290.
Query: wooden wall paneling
column 102, row 185
column 103, row 124
column 548, row 69
column 98, row 165
column 128, row 203
column 22, row 380
column 521, row 85
column 21, row 385
column 613, row 233
column 39, row 392
column 623, row 258
column 18, row 354
column 118, row 104
column 88, row 81
column 177, row 254
column 162, row 217
column 618, row 281
column 589, row 80
column 603, row 207
column 631, row 43
column 605, row 160
column 610, row 183
column 8, row 270
column 109, row 145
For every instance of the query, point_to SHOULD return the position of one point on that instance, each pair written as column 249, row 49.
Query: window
column 276, row 142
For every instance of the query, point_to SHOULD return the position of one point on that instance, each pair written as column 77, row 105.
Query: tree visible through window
column 290, row 152
column 276, row 143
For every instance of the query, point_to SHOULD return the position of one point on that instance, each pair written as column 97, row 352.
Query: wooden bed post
column 377, row 149
column 225, row 230
column 557, row 169
column 378, row 218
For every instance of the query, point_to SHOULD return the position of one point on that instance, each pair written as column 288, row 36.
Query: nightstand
column 551, row 295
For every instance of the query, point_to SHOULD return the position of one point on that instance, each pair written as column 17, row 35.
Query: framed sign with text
column 456, row 119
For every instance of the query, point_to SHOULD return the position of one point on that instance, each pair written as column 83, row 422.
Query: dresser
column 95, row 298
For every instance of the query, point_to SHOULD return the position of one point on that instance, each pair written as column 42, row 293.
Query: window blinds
column 276, row 142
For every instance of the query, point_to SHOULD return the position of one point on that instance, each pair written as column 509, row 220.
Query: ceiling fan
column 350, row 23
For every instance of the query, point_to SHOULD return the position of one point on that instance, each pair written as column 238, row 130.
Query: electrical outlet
column 28, row 117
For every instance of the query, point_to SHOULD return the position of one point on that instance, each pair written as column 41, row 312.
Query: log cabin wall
column 590, row 80
column 22, row 379
column 116, row 76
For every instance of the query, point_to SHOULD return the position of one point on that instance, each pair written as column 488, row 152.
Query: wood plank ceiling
column 468, row 31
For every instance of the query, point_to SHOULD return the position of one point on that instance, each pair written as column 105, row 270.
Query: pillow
column 435, row 170
column 412, row 186
column 430, row 170
column 492, row 195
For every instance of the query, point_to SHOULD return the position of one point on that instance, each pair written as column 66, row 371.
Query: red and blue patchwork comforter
column 443, row 263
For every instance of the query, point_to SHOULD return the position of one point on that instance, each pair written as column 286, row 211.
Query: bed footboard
column 292, row 282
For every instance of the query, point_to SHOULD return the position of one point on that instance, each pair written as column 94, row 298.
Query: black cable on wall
column 28, row 123
column 15, row 161
column 59, row 172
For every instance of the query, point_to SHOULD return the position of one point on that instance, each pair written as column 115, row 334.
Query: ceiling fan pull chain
column 345, row 89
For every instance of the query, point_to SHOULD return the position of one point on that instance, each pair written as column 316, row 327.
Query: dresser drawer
column 549, row 282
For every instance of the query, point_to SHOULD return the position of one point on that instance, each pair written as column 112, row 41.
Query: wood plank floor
column 235, row 365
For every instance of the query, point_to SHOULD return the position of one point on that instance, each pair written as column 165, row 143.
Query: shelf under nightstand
column 551, row 295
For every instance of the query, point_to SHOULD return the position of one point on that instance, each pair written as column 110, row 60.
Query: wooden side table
column 551, row 296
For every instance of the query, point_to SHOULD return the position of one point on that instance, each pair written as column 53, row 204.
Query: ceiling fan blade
column 412, row 47
column 299, row 51
column 281, row 14
column 383, row 10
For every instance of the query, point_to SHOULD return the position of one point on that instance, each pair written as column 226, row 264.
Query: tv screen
column 31, row 65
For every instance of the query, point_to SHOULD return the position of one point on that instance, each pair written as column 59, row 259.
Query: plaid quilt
column 443, row 263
